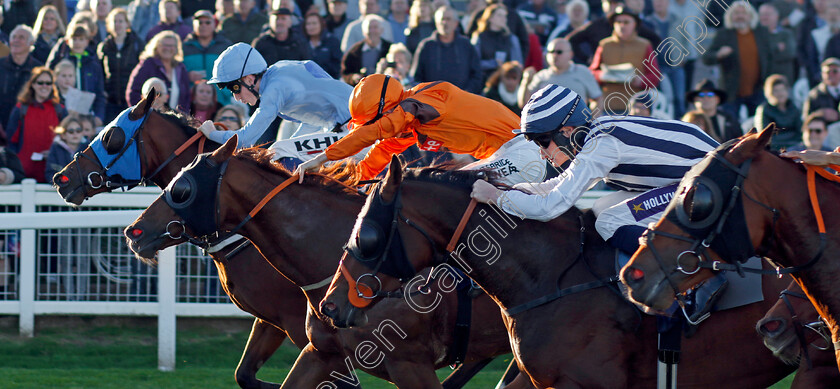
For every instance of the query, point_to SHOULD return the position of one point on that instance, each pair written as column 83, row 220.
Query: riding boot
column 707, row 295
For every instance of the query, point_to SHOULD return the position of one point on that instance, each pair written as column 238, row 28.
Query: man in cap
column 202, row 47
column 281, row 41
column 826, row 95
column 707, row 98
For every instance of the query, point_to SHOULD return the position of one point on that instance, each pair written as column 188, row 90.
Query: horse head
column 704, row 223
column 792, row 325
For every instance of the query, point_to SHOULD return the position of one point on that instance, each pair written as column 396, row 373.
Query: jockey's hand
column 485, row 192
column 207, row 128
column 310, row 166
column 814, row 157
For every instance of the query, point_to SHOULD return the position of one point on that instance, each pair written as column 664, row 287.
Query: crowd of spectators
column 67, row 64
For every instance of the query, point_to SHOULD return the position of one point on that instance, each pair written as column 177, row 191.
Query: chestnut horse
column 792, row 329
column 278, row 305
column 301, row 231
column 740, row 201
column 568, row 324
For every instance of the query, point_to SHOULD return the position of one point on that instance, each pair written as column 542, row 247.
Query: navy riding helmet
column 548, row 111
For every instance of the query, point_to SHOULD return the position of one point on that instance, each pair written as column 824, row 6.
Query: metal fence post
column 166, row 314
column 28, row 262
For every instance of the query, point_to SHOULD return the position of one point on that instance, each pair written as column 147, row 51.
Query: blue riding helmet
column 235, row 62
column 549, row 110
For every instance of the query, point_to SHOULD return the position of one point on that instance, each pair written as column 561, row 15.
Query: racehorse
column 741, row 201
column 792, row 329
column 164, row 143
column 301, row 230
column 568, row 325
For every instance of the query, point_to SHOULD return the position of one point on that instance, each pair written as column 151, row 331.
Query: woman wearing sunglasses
column 437, row 116
column 644, row 158
column 297, row 91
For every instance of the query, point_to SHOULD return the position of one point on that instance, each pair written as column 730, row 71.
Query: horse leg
column 413, row 375
column 262, row 343
column 463, row 373
column 320, row 370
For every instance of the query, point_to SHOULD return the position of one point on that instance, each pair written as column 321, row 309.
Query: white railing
column 36, row 288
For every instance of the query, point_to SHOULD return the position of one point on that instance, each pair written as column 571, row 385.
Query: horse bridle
column 818, row 326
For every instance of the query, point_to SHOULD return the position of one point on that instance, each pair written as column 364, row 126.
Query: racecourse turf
column 91, row 352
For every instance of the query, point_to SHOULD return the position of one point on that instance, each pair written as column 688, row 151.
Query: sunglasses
column 228, row 119
column 706, row 94
column 72, row 131
column 542, row 139
column 43, row 83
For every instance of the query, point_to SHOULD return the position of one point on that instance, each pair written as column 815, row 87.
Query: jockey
column 297, row 91
column 643, row 158
column 438, row 116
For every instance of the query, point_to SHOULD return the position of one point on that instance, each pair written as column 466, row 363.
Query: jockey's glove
column 485, row 192
column 207, row 128
column 310, row 165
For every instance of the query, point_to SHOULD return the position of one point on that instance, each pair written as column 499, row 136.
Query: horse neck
column 301, row 231
column 531, row 254
column 159, row 147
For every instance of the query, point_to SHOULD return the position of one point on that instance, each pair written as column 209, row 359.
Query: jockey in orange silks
column 438, row 116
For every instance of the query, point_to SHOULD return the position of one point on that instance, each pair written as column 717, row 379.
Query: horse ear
column 226, row 150
column 393, row 179
column 765, row 135
column 752, row 131
column 143, row 106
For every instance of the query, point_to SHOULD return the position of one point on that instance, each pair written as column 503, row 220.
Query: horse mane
column 447, row 174
column 339, row 178
column 186, row 122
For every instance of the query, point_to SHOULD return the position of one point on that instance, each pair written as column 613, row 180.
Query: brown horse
column 792, row 329
column 738, row 202
column 301, row 231
column 592, row 338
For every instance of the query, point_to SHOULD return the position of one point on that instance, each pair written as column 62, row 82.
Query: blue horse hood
column 126, row 163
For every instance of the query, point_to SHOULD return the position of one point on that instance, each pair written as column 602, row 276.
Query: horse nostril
column 770, row 327
column 635, row 274
column 61, row 179
column 136, row 232
column 327, row 308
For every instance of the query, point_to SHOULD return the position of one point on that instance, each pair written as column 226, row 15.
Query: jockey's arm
column 270, row 103
column 389, row 126
column 591, row 164
column 815, row 157
column 380, row 155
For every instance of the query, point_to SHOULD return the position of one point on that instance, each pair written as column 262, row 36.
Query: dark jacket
column 488, row 43
column 788, row 123
column 783, row 61
column 352, row 62
column 58, row 158
column 153, row 67
column 19, row 12
column 730, row 129
column 42, row 48
column 328, row 55
column 189, row 7
column 514, row 23
column 198, row 57
column 12, row 79
column 92, row 79
column 819, row 98
column 417, row 34
column 294, row 47
column 118, row 64
column 10, row 163
column 585, row 39
column 238, row 31
column 730, row 65
column 492, row 92
column 455, row 62
column 61, row 50
column 180, row 27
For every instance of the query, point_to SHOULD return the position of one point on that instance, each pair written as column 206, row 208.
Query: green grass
column 92, row 353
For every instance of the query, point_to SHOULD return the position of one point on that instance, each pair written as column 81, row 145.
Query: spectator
column 493, row 41
column 88, row 19
column 190, row 7
column 231, row 116
column 624, row 46
column 420, row 23
column 503, row 85
column 779, row 109
column 101, row 9
column 447, row 56
column 742, row 49
column 15, row 68
column 19, row 12
column 825, row 97
column 202, row 47
column 562, row 71
column 398, row 20
column 161, row 92
column 323, row 46
column 170, row 11
column 514, row 23
column 162, row 58
column 666, row 24
column 816, row 41
column 578, row 15
column 707, row 98
column 119, row 53
column 144, row 15
column 540, row 17
column 397, row 64
column 586, row 39
column 336, row 19
column 354, row 34
column 685, row 10
column 204, row 103
column 782, row 43
column 281, row 42
column 245, row 24
column 4, row 38
column 362, row 58
column 49, row 28
column 224, row 10
column 641, row 104
column 90, row 127
column 700, row 119
column 62, row 48
column 60, row 5
column 814, row 134
column 68, row 137
column 90, row 76
column 31, row 122
column 11, row 170
column 65, row 77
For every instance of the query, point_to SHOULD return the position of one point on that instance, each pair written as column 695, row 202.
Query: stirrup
column 702, row 312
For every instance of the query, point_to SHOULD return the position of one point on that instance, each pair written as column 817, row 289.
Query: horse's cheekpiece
column 116, row 147
column 198, row 209
column 376, row 248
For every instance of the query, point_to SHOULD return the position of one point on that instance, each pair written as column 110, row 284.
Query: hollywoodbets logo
column 651, row 202
column 315, row 145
